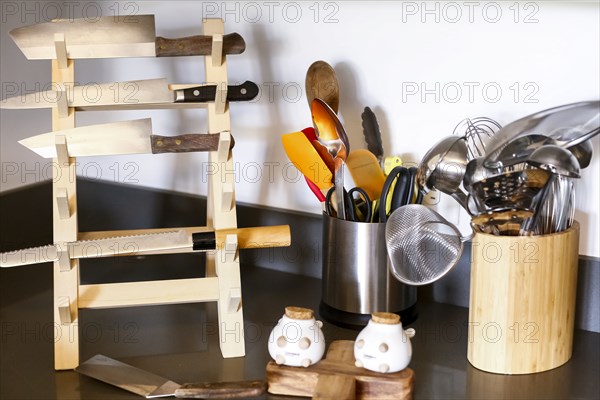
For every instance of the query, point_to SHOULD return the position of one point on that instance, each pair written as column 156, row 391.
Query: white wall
column 421, row 66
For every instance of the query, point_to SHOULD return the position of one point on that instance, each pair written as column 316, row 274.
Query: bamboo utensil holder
column 522, row 302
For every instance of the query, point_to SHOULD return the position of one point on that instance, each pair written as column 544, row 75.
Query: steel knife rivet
column 196, row 93
column 243, row 91
column 159, row 143
column 178, row 142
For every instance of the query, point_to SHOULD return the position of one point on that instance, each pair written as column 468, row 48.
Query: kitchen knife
column 130, row 93
column 115, row 36
column 126, row 137
column 202, row 240
column 149, row 385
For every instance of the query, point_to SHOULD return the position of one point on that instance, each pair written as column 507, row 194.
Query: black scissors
column 401, row 176
column 351, row 204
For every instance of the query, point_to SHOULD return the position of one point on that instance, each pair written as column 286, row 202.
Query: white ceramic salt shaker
column 297, row 339
column 383, row 346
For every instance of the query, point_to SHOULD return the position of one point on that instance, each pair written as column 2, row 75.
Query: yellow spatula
column 303, row 155
column 366, row 172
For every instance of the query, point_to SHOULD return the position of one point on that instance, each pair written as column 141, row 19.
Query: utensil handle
column 339, row 190
column 244, row 92
column 583, row 138
column 248, row 238
column 401, row 191
column 372, row 133
column 185, row 143
column 200, row 45
column 221, row 390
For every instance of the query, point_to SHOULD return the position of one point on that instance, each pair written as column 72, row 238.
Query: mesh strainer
column 422, row 245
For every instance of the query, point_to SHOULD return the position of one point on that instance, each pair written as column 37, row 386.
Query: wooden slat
column 128, row 294
column 231, row 319
column 66, row 280
column 155, row 106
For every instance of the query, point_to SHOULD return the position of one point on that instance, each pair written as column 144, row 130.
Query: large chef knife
column 126, row 137
column 130, row 93
column 205, row 240
column 115, row 36
column 149, row 385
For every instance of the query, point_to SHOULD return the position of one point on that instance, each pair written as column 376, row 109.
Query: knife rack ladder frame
column 222, row 283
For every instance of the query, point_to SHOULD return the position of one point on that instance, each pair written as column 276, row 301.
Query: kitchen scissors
column 351, row 205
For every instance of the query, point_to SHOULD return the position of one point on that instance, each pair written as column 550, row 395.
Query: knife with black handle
column 244, row 92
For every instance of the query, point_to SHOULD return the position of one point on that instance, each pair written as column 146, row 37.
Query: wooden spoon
column 321, row 83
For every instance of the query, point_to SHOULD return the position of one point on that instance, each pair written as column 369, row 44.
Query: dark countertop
column 180, row 342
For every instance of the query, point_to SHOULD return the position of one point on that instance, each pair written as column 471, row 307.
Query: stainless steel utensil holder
column 356, row 277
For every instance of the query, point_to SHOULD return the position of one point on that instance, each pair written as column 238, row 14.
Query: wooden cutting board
column 336, row 377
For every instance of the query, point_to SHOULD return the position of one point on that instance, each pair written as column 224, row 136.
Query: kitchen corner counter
column 180, row 342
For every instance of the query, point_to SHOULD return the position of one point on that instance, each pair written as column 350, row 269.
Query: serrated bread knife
column 125, row 95
column 258, row 237
column 114, row 36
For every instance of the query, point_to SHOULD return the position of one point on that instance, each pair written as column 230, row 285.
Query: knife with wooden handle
column 129, row 94
column 204, row 240
column 149, row 385
column 115, row 36
column 125, row 137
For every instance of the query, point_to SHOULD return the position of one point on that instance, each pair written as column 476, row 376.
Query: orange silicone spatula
column 303, row 155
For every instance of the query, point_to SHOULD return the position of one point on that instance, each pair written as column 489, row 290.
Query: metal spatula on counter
column 149, row 385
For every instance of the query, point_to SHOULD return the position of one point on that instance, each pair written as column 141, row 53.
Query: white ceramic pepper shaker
column 383, row 346
column 297, row 339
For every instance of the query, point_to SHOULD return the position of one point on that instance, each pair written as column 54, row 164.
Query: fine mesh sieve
column 422, row 245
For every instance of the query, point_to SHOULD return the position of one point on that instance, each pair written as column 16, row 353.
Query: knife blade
column 125, row 137
column 127, row 94
column 115, row 36
column 149, row 385
column 117, row 246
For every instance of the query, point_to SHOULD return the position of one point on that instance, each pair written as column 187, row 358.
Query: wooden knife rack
column 222, row 282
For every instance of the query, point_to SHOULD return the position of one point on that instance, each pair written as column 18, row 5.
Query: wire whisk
column 476, row 132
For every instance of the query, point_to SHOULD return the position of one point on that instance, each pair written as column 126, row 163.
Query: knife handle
column 248, row 238
column 186, row 143
column 199, row 45
column 221, row 390
column 244, row 92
